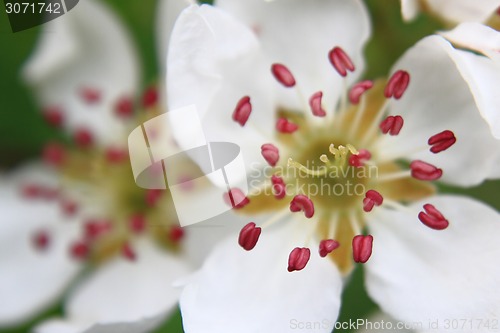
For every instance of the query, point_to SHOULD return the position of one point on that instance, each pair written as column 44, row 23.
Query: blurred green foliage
column 23, row 132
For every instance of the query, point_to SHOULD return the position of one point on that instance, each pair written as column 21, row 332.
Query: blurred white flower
column 323, row 135
column 452, row 11
column 78, row 212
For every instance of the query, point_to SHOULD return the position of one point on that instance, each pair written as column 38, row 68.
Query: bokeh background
column 23, row 131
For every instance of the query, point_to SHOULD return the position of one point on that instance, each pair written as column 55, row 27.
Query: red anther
column 425, row 171
column 53, row 115
column 128, row 252
column 315, row 104
column 362, row 248
column 326, row 246
column 90, row 95
column 391, row 125
column 433, row 218
column 116, row 155
column 152, row 196
column 175, row 234
column 442, row 141
column 372, row 198
column 53, row 154
column 137, row 223
column 236, row 198
column 242, row 111
column 358, row 90
column 358, row 161
column 95, row 228
column 397, row 84
column 249, row 235
column 340, row 61
column 124, row 107
column 302, row 203
column 283, row 125
column 68, row 207
column 150, row 97
column 32, row 191
column 279, row 187
column 41, row 240
column 298, row 259
column 283, row 75
column 79, row 250
column 498, row 11
column 83, row 138
column 270, row 153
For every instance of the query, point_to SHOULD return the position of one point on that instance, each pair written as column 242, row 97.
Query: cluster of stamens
column 91, row 174
column 343, row 156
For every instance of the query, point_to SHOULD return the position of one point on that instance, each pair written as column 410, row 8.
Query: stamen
column 152, row 196
column 362, row 248
column 433, row 218
column 315, row 104
column 425, row 171
column 150, row 97
column 124, row 107
column 79, row 250
column 242, row 111
column 319, row 172
column 249, row 236
column 54, row 154
column 327, row 246
column 283, row 75
column 128, row 252
column 389, row 176
column 36, row 191
column 137, row 223
column 397, row 84
column 53, row 115
column 115, row 155
column 270, row 153
column 236, row 198
column 298, row 259
column 41, row 240
column 83, row 138
column 392, row 125
column 95, row 228
column 441, row 141
column 69, row 207
column 358, row 90
column 176, row 233
column 340, row 61
column 90, row 95
column 302, row 203
column 372, row 198
column 285, row 126
column 279, row 187
column 359, row 160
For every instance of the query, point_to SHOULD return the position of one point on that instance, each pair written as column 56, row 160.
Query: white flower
column 321, row 131
column 78, row 213
column 453, row 11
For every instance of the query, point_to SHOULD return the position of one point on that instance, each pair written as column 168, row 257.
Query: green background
column 23, row 131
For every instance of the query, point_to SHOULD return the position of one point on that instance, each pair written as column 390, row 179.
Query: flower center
column 331, row 168
column 98, row 186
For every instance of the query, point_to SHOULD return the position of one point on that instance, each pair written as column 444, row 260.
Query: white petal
column 214, row 61
column 477, row 37
column 123, row 293
column 444, row 94
column 31, row 279
column 167, row 13
column 86, row 48
column 409, row 9
column 463, row 10
column 239, row 291
column 300, row 34
column 422, row 275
